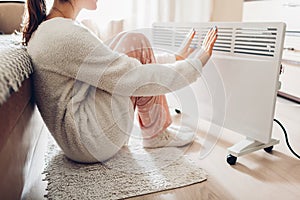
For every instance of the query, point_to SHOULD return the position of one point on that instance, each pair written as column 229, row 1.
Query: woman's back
column 65, row 98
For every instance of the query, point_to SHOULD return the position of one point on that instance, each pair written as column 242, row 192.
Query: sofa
column 23, row 134
column 22, row 143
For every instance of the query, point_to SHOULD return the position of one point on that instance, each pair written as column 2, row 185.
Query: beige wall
column 226, row 10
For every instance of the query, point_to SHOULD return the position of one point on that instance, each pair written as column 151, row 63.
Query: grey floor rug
column 132, row 172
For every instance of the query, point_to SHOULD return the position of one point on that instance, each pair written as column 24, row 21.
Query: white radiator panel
column 239, row 84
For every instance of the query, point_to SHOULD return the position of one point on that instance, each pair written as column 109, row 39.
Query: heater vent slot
column 261, row 42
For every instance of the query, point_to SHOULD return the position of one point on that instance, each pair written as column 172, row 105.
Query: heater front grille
column 259, row 41
column 233, row 38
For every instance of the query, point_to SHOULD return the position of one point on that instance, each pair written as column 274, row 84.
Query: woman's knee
column 138, row 46
column 135, row 36
column 132, row 41
column 135, row 45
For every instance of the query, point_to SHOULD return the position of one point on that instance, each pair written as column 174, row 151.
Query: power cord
column 282, row 127
column 286, row 138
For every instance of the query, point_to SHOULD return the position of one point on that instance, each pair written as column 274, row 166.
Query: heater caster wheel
column 178, row 111
column 268, row 149
column 231, row 160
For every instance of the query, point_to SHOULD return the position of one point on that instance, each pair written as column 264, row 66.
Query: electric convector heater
column 238, row 86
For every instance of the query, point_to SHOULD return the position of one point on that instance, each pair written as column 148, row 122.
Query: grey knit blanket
column 15, row 65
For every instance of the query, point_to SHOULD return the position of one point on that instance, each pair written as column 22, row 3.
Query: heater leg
column 247, row 146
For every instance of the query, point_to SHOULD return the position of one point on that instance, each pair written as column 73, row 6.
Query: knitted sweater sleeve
column 96, row 64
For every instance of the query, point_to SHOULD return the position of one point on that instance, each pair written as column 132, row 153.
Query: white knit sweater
column 82, row 88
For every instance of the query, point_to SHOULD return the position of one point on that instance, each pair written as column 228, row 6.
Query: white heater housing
column 238, row 86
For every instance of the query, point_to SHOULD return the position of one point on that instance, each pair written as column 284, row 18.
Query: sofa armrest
column 21, row 126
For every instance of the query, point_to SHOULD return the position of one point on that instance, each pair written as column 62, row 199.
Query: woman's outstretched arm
column 90, row 61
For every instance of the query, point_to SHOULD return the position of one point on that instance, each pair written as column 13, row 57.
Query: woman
column 87, row 91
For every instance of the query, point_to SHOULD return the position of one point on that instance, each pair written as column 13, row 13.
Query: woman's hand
column 185, row 50
column 208, row 45
column 209, row 40
column 203, row 53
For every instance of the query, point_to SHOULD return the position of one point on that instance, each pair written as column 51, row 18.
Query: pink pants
column 153, row 112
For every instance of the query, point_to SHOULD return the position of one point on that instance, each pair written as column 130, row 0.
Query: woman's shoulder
column 62, row 31
column 60, row 25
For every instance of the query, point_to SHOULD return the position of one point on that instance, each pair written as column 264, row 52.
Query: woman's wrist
column 178, row 57
column 204, row 57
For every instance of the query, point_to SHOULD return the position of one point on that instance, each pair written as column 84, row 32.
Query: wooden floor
column 256, row 176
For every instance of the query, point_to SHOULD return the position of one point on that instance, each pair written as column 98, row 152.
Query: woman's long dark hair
column 37, row 13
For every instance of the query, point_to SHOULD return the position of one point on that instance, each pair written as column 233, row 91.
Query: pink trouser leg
column 153, row 112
